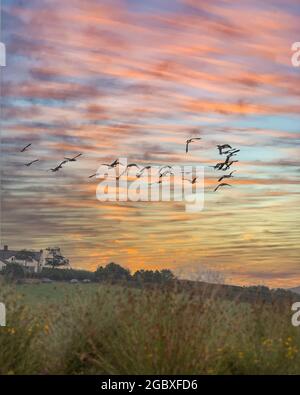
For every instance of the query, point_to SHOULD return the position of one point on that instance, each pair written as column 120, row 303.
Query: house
column 3, row 264
column 33, row 261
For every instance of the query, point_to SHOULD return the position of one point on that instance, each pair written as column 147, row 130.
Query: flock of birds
column 224, row 149
column 230, row 152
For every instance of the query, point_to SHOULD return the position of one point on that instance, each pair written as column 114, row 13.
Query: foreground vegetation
column 110, row 329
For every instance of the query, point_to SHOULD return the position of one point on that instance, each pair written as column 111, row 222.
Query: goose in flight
column 189, row 141
column 73, row 159
column 139, row 174
column 193, row 181
column 161, row 175
column 223, row 184
column 219, row 166
column 231, row 153
column 26, row 148
column 114, row 164
column 59, row 166
column 226, row 176
column 32, row 162
column 165, row 173
column 228, row 164
column 222, row 147
column 126, row 169
column 165, row 167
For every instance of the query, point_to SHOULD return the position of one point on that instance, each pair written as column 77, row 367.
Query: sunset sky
column 135, row 79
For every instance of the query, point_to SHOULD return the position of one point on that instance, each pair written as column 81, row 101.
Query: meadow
column 63, row 328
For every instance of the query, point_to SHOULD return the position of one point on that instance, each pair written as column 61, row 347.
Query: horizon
column 125, row 79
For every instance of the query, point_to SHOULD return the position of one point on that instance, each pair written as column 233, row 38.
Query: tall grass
column 116, row 330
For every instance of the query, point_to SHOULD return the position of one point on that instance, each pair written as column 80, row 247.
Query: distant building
column 33, row 261
column 3, row 264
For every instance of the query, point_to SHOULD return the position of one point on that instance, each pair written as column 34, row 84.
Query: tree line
column 112, row 272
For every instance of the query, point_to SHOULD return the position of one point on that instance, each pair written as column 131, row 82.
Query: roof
column 7, row 254
column 3, row 261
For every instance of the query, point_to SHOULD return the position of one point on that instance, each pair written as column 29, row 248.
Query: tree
column 112, row 272
column 56, row 259
column 14, row 272
column 167, row 275
column 155, row 277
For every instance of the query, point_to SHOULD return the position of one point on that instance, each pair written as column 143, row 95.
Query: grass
column 109, row 329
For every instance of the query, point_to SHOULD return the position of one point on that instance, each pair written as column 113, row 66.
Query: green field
column 41, row 294
column 62, row 328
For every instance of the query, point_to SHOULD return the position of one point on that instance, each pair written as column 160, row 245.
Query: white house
column 33, row 261
column 3, row 264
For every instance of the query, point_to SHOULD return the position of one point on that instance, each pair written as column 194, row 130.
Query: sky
column 126, row 78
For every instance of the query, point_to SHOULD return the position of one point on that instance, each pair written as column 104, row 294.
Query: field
column 64, row 328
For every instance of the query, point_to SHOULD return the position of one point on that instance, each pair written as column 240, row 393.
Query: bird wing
column 77, row 156
column 27, row 146
column 225, row 184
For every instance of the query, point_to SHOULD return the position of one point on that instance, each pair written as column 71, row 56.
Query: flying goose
column 226, row 176
column 25, row 148
column 189, row 141
column 223, row 184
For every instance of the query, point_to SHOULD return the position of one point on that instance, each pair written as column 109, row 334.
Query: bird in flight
column 139, row 174
column 164, row 167
column 223, row 184
column 226, row 176
column 189, row 141
column 165, row 173
column 193, row 181
column 228, row 164
column 161, row 175
column 222, row 147
column 114, row 164
column 231, row 153
column 234, row 151
column 31, row 163
column 128, row 167
column 219, row 166
column 73, row 159
column 59, row 166
column 26, row 148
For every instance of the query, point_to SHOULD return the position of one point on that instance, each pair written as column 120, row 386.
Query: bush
column 14, row 272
